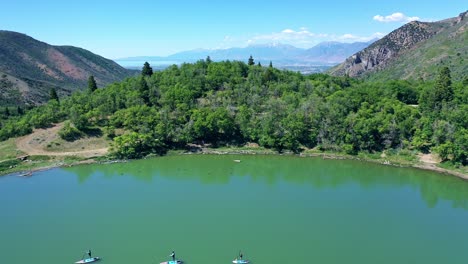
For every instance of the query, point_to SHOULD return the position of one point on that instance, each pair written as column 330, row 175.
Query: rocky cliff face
column 383, row 52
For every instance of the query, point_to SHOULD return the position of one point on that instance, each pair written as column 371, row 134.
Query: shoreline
column 336, row 156
column 211, row 151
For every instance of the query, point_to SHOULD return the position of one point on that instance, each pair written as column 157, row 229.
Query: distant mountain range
column 283, row 56
column 30, row 68
column 414, row 51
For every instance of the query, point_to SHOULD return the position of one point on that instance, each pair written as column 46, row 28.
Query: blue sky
column 116, row 29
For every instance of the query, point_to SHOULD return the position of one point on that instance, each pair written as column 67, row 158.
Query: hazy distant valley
column 313, row 60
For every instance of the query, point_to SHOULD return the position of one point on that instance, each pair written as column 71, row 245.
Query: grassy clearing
column 8, row 154
column 452, row 167
column 9, row 164
column 44, row 142
column 60, row 145
column 393, row 157
column 8, row 150
column 37, row 162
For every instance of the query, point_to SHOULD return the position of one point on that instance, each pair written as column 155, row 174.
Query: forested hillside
column 231, row 103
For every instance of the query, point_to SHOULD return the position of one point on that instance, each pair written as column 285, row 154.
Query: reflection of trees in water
column 438, row 187
column 83, row 172
column 321, row 174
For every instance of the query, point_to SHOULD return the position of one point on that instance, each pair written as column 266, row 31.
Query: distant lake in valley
column 275, row 209
column 161, row 65
column 138, row 64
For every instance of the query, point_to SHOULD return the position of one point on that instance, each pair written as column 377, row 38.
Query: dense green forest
column 232, row 103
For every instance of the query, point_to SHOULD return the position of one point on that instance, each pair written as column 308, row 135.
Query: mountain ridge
column 279, row 53
column 412, row 51
column 32, row 67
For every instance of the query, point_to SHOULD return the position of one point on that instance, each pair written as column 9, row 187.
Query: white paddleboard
column 172, row 262
column 88, row 260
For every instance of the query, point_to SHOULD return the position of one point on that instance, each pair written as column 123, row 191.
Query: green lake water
column 276, row 209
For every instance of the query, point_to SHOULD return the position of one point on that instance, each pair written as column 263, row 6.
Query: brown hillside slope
column 42, row 66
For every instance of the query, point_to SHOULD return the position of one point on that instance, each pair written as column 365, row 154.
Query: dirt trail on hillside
column 34, row 144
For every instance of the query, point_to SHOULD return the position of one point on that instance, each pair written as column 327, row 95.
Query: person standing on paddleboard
column 89, row 253
column 172, row 255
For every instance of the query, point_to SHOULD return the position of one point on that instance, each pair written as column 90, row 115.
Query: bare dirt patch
column 430, row 161
column 40, row 140
column 63, row 64
column 428, row 158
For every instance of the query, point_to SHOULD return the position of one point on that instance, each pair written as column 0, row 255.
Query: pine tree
column 443, row 87
column 432, row 98
column 144, row 91
column 53, row 94
column 271, row 64
column 251, row 61
column 92, row 86
column 208, row 59
column 20, row 110
column 259, row 64
column 147, row 70
column 7, row 111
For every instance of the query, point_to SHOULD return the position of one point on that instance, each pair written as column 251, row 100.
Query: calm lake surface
column 275, row 209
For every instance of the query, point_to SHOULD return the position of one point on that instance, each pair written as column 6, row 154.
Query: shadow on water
column 271, row 170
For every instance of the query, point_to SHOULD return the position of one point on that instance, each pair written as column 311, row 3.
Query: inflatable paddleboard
column 172, row 262
column 88, row 260
column 240, row 261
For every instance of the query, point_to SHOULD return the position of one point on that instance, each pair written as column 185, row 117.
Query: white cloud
column 227, row 42
column 285, row 36
column 395, row 17
column 305, row 39
column 354, row 38
column 349, row 36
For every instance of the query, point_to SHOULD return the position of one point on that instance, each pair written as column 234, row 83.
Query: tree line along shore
column 232, row 103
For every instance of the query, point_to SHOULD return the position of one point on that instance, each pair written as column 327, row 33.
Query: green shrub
column 69, row 133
